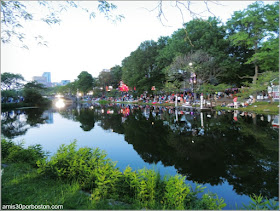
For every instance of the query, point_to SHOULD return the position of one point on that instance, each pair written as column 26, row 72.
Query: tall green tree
column 32, row 93
column 105, row 78
column 116, row 72
column 208, row 36
column 141, row 69
column 252, row 28
column 85, row 82
column 69, row 89
column 11, row 85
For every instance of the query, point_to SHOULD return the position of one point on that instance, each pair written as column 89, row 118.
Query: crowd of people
column 181, row 98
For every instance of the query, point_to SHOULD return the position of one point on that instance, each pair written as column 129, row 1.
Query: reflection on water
column 219, row 149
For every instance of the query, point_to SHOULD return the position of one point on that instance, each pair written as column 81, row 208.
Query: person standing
column 235, row 102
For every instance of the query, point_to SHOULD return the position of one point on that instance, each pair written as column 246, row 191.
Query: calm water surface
column 233, row 154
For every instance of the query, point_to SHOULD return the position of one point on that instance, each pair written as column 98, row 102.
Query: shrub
column 15, row 153
column 143, row 188
column 211, row 201
column 85, row 165
column 176, row 191
column 259, row 203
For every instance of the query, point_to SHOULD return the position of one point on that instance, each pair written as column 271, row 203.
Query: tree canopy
column 257, row 29
column 85, row 82
column 11, row 81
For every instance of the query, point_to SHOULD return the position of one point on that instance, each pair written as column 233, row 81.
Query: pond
column 233, row 154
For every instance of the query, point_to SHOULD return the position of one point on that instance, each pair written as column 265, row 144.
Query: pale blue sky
column 80, row 44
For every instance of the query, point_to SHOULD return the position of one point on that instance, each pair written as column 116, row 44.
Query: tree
column 251, row 28
column 264, row 80
column 11, row 81
column 85, row 82
column 10, row 86
column 206, row 36
column 105, row 78
column 205, row 67
column 32, row 93
column 69, row 89
column 116, row 72
column 141, row 69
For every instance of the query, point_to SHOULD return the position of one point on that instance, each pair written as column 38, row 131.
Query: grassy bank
column 136, row 103
column 258, row 107
column 9, row 106
column 86, row 179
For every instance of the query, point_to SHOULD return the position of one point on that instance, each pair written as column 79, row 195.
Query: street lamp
column 192, row 79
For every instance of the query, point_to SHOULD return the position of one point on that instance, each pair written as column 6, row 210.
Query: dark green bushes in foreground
column 98, row 174
column 89, row 170
column 15, row 153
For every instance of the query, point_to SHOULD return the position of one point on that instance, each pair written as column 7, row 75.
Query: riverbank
column 258, row 107
column 22, row 105
column 86, row 179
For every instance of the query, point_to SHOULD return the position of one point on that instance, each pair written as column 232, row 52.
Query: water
column 233, row 154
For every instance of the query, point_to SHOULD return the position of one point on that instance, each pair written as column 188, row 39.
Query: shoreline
column 258, row 107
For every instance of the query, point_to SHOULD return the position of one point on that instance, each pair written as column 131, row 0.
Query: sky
column 79, row 43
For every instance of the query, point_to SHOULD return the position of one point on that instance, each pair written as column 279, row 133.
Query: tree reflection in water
column 17, row 122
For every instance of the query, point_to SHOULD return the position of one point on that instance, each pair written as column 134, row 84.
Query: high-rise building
column 40, row 79
column 48, row 76
column 64, row 82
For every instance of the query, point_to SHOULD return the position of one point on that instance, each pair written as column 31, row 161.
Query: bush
column 87, row 166
column 142, row 188
column 176, row 191
column 15, row 153
column 259, row 203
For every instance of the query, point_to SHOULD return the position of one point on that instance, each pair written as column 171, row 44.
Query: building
column 45, row 79
column 48, row 76
column 40, row 79
column 64, row 82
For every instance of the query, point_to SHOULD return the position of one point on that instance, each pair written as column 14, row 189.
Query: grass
column 21, row 184
column 258, row 107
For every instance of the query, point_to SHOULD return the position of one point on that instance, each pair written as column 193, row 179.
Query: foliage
column 21, row 184
column 69, row 89
column 251, row 28
column 141, row 189
column 85, row 82
column 211, row 89
column 176, row 192
column 141, row 70
column 144, row 188
column 203, row 65
column 264, row 80
column 80, row 165
column 6, row 94
column 259, row 203
column 171, row 87
column 32, row 94
column 110, row 77
column 11, row 81
column 16, row 153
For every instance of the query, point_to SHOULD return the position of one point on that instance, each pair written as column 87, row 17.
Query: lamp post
column 192, row 79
